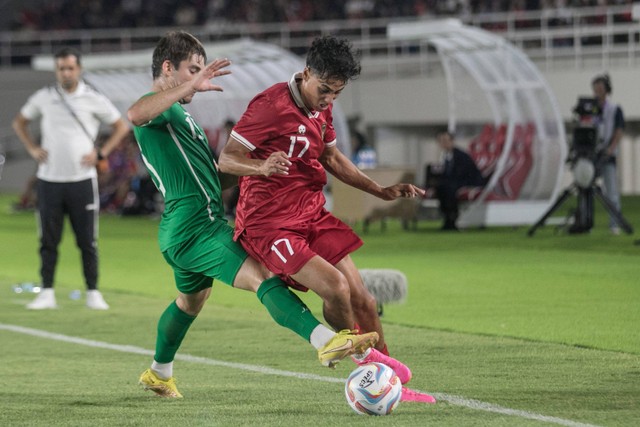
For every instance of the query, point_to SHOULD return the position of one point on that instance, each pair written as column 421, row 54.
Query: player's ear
column 167, row 67
column 306, row 73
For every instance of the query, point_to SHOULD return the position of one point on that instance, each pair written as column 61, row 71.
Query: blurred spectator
column 114, row 180
column 125, row 186
column 131, row 10
column 218, row 137
column 83, row 14
column 186, row 15
column 359, row 9
column 143, row 197
column 558, row 15
column 363, row 154
column 29, row 196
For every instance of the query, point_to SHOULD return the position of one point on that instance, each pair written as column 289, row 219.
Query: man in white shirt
column 70, row 114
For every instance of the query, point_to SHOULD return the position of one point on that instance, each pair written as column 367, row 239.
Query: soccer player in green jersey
column 194, row 237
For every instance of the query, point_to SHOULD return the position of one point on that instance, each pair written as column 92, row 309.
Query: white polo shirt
column 62, row 136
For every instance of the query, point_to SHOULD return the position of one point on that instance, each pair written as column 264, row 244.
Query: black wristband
column 100, row 156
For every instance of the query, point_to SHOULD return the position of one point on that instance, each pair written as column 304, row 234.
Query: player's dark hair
column 333, row 58
column 605, row 80
column 175, row 46
column 68, row 51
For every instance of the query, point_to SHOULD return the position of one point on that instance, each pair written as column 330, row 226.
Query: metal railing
column 549, row 37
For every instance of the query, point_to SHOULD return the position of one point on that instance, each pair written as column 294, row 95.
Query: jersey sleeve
column 158, row 121
column 330, row 138
column 31, row 109
column 257, row 124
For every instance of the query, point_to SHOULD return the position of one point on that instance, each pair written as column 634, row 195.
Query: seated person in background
column 458, row 170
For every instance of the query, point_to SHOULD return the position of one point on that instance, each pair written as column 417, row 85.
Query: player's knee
column 192, row 304
column 251, row 275
column 338, row 288
column 364, row 302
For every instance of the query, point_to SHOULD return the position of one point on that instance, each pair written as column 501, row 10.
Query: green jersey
column 176, row 153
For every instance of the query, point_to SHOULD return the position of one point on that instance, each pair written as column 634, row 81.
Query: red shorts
column 285, row 251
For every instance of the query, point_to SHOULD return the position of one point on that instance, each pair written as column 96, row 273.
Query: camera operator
column 610, row 127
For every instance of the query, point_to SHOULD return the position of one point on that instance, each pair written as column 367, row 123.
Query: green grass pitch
column 507, row 330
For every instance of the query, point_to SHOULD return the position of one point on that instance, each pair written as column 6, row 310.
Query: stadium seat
column 486, row 149
column 479, row 148
column 518, row 166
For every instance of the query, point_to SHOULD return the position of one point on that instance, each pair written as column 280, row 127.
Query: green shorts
column 207, row 255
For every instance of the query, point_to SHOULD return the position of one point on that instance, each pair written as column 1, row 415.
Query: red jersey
column 278, row 120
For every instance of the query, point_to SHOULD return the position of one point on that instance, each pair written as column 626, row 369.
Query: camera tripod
column 584, row 210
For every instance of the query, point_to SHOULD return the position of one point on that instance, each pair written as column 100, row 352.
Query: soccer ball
column 373, row 389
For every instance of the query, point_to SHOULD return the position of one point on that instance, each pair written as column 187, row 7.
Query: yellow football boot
column 165, row 388
column 344, row 344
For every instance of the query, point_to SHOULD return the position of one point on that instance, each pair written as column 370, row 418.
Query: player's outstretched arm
column 338, row 165
column 149, row 107
column 397, row 191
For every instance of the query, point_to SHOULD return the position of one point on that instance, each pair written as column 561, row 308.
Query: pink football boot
column 409, row 395
column 401, row 370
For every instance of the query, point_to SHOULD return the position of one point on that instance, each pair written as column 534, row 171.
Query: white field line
column 451, row 399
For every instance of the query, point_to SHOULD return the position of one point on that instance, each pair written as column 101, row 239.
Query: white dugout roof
column 490, row 81
column 124, row 77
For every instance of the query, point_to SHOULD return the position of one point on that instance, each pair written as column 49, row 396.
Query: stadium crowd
column 88, row 14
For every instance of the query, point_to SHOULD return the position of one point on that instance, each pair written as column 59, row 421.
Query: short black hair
column 175, row 46
column 605, row 80
column 443, row 131
column 333, row 58
column 68, row 51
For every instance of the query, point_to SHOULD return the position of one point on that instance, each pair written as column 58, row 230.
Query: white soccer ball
column 373, row 389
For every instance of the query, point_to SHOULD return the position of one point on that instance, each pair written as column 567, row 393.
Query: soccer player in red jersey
column 281, row 148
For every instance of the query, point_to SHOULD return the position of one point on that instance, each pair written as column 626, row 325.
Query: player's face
column 317, row 93
column 68, row 72
column 187, row 70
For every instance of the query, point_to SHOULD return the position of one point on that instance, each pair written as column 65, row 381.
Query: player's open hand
column 408, row 191
column 276, row 164
column 203, row 83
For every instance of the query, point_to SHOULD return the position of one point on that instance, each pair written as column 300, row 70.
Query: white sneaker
column 95, row 300
column 46, row 299
column 615, row 230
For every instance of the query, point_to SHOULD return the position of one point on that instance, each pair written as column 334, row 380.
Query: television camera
column 586, row 155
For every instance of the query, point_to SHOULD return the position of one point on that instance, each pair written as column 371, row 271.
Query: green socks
column 286, row 308
column 283, row 305
column 172, row 327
